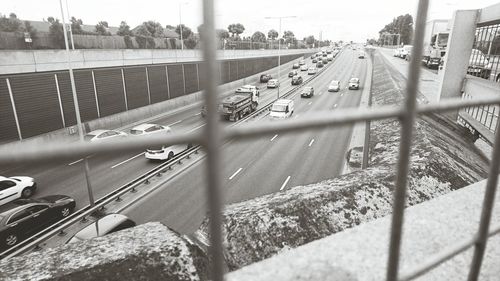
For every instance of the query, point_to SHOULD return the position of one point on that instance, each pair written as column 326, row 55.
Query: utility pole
column 69, row 27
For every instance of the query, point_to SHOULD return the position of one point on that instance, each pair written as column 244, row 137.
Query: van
column 281, row 108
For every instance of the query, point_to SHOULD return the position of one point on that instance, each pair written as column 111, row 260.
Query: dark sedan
column 265, row 77
column 292, row 73
column 297, row 80
column 23, row 218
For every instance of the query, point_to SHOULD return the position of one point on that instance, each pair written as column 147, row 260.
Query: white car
column 302, row 62
column 147, row 129
column 334, row 86
column 312, row 70
column 273, row 83
column 164, row 152
column 303, row 67
column 102, row 135
column 16, row 187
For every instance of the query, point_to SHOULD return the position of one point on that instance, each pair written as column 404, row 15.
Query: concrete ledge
column 429, row 227
column 147, row 252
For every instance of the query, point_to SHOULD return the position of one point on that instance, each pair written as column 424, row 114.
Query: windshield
column 136, row 132
column 88, row 137
column 443, row 39
column 278, row 108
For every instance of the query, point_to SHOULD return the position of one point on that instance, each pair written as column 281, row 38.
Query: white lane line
column 335, row 105
column 194, row 129
column 275, row 136
column 310, row 103
column 197, row 113
column 311, row 143
column 235, row 173
column 284, row 184
column 125, row 161
column 296, row 116
column 342, row 94
column 72, row 163
column 175, row 123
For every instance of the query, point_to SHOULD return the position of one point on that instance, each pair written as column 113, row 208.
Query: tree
column 272, row 34
column 56, row 32
column 11, row 23
column 152, row 28
column 76, row 26
column 222, row 33
column 186, row 31
column 402, row 25
column 310, row 40
column 101, row 28
column 289, row 38
column 190, row 42
column 170, row 27
column 31, row 30
column 258, row 37
column 124, row 29
column 236, row 29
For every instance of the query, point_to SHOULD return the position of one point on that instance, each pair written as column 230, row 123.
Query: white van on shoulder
column 281, row 108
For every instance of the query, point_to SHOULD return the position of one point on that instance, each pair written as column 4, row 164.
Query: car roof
column 335, row 82
column 101, row 226
column 308, row 88
column 282, row 102
column 273, row 79
column 143, row 127
column 3, row 178
column 354, row 79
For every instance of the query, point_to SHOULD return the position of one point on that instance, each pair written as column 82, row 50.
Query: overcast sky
column 337, row 20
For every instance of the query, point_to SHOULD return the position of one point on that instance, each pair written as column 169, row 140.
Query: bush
column 141, row 41
column 151, row 42
column 128, row 42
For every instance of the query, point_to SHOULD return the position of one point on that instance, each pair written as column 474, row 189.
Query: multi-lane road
column 250, row 168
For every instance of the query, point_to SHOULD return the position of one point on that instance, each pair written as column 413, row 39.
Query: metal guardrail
column 34, row 241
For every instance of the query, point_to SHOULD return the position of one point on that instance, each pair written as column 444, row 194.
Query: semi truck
column 234, row 107
column 435, row 42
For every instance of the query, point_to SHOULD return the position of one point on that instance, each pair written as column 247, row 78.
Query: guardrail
column 34, row 241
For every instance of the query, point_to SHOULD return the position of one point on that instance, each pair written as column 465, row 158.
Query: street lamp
column 69, row 26
column 180, row 23
column 279, row 45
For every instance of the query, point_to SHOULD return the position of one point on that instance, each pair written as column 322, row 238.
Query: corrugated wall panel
column 67, row 98
column 136, row 86
column 176, row 84
column 233, row 73
column 191, row 77
column 8, row 128
column 110, row 91
column 158, row 83
column 226, row 78
column 37, row 104
column 241, row 69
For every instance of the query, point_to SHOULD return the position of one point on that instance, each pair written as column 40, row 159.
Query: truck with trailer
column 435, row 42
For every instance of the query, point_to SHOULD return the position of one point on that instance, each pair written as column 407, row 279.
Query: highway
column 251, row 168
column 266, row 165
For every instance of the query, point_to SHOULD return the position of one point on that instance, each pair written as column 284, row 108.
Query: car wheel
column 170, row 155
column 65, row 211
column 11, row 240
column 27, row 192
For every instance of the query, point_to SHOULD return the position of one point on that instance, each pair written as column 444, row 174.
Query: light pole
column 279, row 46
column 69, row 27
column 180, row 23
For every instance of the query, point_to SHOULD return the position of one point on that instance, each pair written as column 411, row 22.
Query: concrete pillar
column 460, row 42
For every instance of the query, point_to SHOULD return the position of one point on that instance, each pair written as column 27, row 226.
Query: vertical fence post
column 213, row 139
column 407, row 122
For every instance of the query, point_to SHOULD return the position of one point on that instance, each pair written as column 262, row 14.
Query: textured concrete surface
column 443, row 159
column 147, row 252
column 362, row 251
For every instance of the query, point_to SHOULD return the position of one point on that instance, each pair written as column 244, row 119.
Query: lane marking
column 194, row 129
column 197, row 113
column 235, row 173
column 335, row 105
column 284, row 184
column 342, row 94
column 72, row 163
column 175, row 123
column 125, row 161
column 275, row 136
column 311, row 143
column 310, row 103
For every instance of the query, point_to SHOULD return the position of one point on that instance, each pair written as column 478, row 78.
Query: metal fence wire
column 214, row 134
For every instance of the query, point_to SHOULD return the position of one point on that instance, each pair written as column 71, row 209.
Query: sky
column 335, row 20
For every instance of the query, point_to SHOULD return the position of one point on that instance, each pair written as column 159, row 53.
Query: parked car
column 103, row 226
column 303, row 67
column 312, row 70
column 319, row 64
column 334, row 86
column 104, row 135
column 23, row 218
column 295, row 66
column 265, row 77
column 296, row 80
column 148, row 129
column 354, row 84
column 292, row 73
column 307, row 92
column 12, row 188
column 273, row 83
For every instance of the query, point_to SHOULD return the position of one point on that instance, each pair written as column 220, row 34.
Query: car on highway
column 334, row 86
column 319, row 64
column 312, row 70
column 273, row 83
column 282, row 108
column 361, row 55
column 307, row 92
column 12, row 188
column 103, row 135
column 313, row 56
column 295, row 66
column 329, row 57
column 23, row 218
column 292, row 73
column 148, row 129
column 314, row 61
column 302, row 62
column 324, row 60
column 108, row 224
column 405, row 50
column 303, row 67
column 354, row 83
column 265, row 77
column 297, row 80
